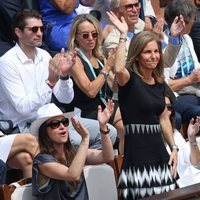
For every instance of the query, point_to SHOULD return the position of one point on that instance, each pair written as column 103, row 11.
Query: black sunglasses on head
column 35, row 29
column 56, row 123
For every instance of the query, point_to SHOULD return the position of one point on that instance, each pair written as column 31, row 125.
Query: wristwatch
column 174, row 146
column 105, row 132
column 64, row 78
column 104, row 73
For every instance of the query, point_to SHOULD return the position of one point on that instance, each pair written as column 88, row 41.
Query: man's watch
column 104, row 73
column 174, row 146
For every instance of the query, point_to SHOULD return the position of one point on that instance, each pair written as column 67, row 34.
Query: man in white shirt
column 29, row 77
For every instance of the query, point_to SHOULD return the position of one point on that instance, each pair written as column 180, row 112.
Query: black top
column 87, row 104
column 141, row 103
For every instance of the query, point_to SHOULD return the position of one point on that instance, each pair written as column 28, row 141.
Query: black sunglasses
column 131, row 5
column 34, row 29
column 56, row 123
column 86, row 35
column 169, row 106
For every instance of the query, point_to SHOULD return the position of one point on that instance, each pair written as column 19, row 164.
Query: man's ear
column 18, row 32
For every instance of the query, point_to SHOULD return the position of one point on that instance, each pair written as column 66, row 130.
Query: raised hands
column 177, row 26
column 176, row 29
column 83, row 132
column 61, row 64
column 193, row 128
column 120, row 25
column 67, row 61
column 158, row 27
column 110, row 61
column 104, row 115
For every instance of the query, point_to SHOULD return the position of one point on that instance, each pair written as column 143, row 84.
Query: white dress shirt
column 23, row 88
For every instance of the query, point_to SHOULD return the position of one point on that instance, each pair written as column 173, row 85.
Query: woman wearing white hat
column 57, row 169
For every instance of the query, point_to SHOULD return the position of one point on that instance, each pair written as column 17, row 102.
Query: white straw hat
column 44, row 113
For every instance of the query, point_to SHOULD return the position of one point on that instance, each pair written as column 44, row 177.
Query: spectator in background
column 7, row 9
column 188, row 166
column 195, row 31
column 58, row 168
column 184, row 76
column 130, row 12
column 58, row 16
column 146, row 11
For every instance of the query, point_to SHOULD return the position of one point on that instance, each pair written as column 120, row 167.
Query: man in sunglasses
column 29, row 76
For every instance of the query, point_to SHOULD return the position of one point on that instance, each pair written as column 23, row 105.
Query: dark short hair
column 19, row 19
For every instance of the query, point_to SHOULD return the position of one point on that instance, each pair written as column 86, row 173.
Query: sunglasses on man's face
column 35, row 29
column 131, row 5
column 86, row 35
column 56, row 123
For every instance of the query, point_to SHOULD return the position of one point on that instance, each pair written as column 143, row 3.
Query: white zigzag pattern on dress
column 150, row 128
column 136, row 177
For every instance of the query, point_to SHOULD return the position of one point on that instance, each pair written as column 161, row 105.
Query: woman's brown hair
column 138, row 43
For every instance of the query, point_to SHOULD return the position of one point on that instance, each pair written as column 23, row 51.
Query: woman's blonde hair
column 138, row 43
column 72, row 43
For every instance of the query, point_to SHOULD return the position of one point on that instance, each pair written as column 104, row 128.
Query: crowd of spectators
column 81, row 80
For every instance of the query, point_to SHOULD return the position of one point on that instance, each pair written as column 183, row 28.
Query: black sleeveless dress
column 145, row 170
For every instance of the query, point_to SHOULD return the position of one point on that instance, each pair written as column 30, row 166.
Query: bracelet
column 104, row 73
column 105, row 132
column 122, row 39
column 174, row 146
column 64, row 78
column 193, row 143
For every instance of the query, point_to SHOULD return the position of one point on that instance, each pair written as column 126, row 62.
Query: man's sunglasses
column 86, row 35
column 131, row 5
column 35, row 29
column 56, row 123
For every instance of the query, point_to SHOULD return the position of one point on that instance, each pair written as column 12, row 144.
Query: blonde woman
column 92, row 73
